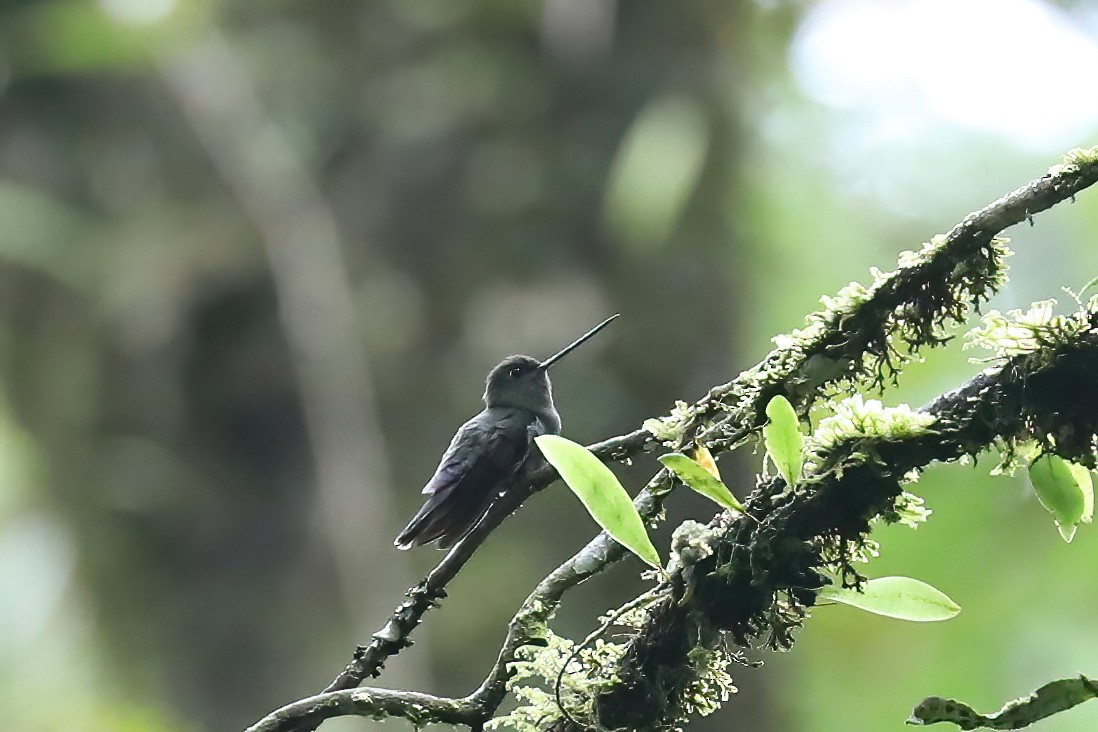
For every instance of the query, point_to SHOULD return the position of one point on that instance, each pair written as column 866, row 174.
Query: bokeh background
column 256, row 258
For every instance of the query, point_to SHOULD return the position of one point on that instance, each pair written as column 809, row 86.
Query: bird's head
column 519, row 381
column 523, row 382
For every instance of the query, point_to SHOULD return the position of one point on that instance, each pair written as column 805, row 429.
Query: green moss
column 692, row 542
column 669, row 430
column 710, row 684
column 1075, row 159
column 534, row 673
column 908, row 510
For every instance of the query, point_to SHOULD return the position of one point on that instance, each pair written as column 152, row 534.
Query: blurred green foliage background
column 256, row 258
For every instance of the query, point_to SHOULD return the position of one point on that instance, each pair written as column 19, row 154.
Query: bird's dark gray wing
column 482, row 458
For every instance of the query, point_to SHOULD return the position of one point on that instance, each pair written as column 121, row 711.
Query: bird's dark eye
column 515, row 372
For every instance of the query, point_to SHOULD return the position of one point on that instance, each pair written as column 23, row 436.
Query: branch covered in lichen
column 756, row 578
column 863, row 335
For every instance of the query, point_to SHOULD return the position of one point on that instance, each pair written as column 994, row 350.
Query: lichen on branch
column 756, row 579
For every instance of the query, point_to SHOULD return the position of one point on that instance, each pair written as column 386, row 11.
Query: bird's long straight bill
column 575, row 344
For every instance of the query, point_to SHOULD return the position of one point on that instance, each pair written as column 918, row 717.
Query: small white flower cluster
column 1020, row 332
column 857, row 418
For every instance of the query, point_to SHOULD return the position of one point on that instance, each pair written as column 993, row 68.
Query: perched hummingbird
column 488, row 451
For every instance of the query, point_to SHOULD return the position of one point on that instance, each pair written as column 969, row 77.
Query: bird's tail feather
column 445, row 520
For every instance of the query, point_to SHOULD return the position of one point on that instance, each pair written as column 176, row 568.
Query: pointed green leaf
column 783, row 439
column 698, row 478
column 601, row 494
column 896, row 597
column 1066, row 494
column 1052, row 698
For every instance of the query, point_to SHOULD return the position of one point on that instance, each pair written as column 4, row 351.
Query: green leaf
column 1082, row 477
column 601, row 494
column 1052, row 698
column 698, row 478
column 783, row 439
column 1067, row 493
column 896, row 597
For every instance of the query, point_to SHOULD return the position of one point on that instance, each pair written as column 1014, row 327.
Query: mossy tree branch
column 758, row 578
column 864, row 335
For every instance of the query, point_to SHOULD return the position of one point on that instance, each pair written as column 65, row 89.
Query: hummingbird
column 486, row 454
